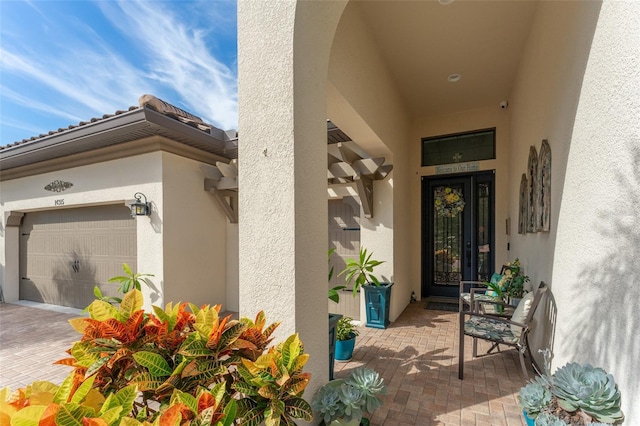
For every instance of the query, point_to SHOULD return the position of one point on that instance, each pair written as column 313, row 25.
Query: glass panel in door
column 458, row 232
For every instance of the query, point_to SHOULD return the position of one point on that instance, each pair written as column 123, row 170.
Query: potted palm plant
column 377, row 294
column 346, row 334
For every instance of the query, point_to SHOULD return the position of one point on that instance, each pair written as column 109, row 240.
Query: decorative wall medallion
column 58, row 186
column 522, row 211
column 544, row 187
column 532, row 169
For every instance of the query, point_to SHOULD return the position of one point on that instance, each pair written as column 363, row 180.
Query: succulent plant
column 546, row 419
column 353, row 400
column 590, row 389
column 349, row 398
column 534, row 397
column 574, row 394
column 327, row 403
column 370, row 382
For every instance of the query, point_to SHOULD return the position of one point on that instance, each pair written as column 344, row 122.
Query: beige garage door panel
column 65, row 253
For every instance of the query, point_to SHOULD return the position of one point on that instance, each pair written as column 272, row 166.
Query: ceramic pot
column 377, row 299
column 529, row 420
column 344, row 348
column 342, row 422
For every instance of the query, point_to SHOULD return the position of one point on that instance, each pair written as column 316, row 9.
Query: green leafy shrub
column 181, row 364
column 345, row 329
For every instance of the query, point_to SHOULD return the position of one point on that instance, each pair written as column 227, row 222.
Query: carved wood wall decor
column 522, row 208
column 544, row 188
column 532, row 198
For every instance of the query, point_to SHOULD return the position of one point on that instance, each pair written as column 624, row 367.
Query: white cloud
column 32, row 104
column 98, row 82
column 75, row 69
column 179, row 57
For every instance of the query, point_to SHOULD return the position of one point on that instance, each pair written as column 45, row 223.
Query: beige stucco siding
column 363, row 101
column 183, row 242
column 282, row 175
column 598, row 239
column 194, row 237
column 578, row 86
column 110, row 182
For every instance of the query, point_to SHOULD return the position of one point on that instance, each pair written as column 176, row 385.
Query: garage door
column 344, row 236
column 65, row 253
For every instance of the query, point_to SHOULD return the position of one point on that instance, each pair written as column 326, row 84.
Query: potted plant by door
column 346, row 334
column 377, row 294
column 515, row 282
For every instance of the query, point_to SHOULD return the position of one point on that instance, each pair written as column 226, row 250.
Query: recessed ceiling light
column 445, row 2
column 454, row 78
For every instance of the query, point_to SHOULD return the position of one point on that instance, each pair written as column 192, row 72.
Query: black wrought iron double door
column 457, row 231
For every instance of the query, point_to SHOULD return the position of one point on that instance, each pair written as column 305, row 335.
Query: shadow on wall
column 154, row 218
column 543, row 334
column 608, row 322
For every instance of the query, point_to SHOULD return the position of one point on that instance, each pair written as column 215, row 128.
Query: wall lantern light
column 138, row 207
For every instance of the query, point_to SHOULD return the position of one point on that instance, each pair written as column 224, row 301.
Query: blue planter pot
column 377, row 300
column 333, row 322
column 529, row 420
column 344, row 348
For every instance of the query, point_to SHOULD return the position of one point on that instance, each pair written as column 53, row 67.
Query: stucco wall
column 599, row 215
column 233, row 268
column 194, row 237
column 456, row 123
column 282, row 197
column 360, row 81
column 543, row 106
column 578, row 87
column 110, row 182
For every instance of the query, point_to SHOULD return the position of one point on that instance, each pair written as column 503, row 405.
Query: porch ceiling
column 423, row 42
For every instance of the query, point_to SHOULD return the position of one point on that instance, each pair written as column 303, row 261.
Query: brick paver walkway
column 417, row 356
column 30, row 340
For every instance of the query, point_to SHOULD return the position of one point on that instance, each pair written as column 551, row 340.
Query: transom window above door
column 459, row 148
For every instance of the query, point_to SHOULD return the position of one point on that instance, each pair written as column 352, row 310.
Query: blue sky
column 62, row 62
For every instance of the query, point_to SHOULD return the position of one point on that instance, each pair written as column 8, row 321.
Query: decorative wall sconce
column 138, row 207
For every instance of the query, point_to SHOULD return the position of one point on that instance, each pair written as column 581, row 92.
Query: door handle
column 468, row 254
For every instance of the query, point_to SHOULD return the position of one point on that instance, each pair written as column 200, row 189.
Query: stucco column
column 283, row 52
column 10, row 280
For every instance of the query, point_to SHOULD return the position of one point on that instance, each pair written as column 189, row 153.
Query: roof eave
column 128, row 126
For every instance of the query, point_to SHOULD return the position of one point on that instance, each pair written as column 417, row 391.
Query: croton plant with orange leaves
column 179, row 365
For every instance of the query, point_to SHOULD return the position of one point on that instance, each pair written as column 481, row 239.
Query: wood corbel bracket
column 227, row 199
column 364, row 186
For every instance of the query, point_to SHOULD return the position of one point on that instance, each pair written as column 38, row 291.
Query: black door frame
column 470, row 233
